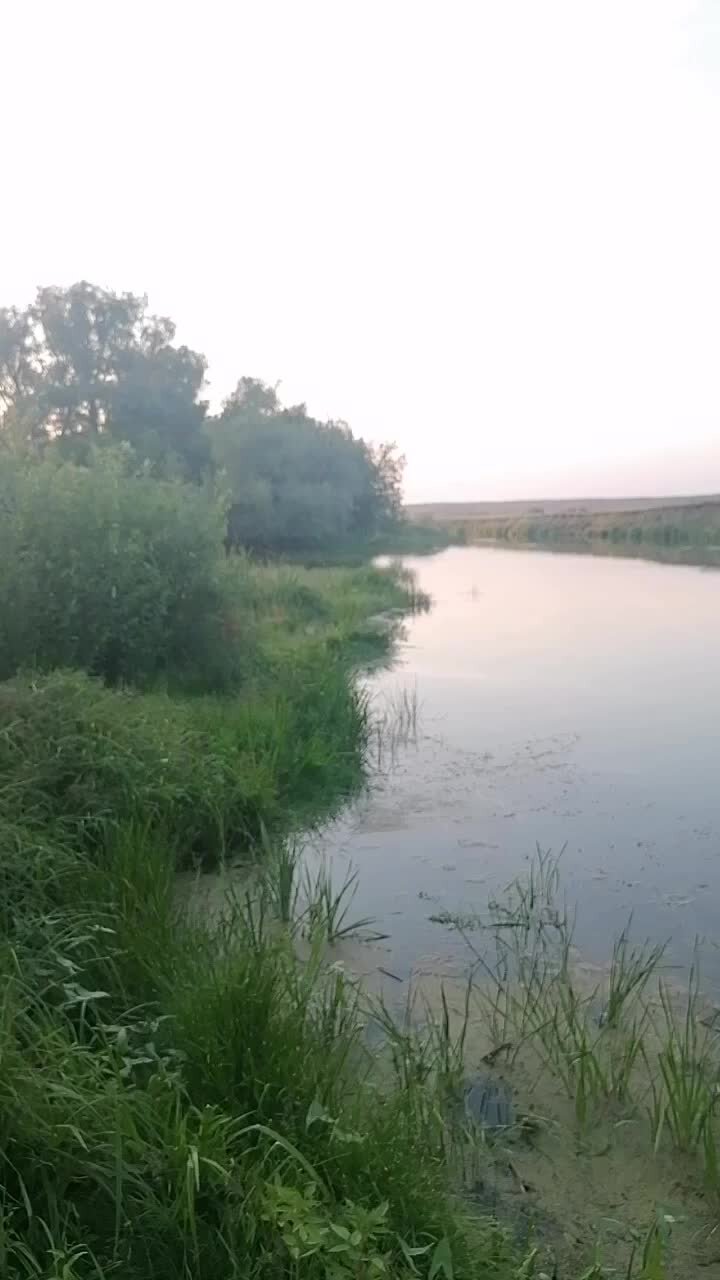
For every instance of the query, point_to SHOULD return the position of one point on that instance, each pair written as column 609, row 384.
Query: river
column 564, row 701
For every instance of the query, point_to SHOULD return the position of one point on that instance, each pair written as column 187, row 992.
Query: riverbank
column 594, row 1085
column 554, row 693
column 179, row 1098
column 200, row 1094
column 213, row 769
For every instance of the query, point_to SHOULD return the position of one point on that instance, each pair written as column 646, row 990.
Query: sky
column 486, row 229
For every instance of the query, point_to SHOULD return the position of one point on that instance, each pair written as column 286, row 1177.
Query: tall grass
column 119, row 575
column 126, row 577
column 629, row 1045
column 184, row 1100
column 75, row 756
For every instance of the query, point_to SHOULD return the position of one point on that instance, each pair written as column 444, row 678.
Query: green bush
column 120, row 575
column 77, row 758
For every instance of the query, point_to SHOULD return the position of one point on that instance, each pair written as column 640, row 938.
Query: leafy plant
column 345, row 1240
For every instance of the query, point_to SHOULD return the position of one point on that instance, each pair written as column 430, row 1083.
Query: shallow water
column 563, row 700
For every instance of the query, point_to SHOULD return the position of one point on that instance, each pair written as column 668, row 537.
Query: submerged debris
column 488, row 1103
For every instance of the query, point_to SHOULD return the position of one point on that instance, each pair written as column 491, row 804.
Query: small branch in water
column 388, row 974
column 490, row 1057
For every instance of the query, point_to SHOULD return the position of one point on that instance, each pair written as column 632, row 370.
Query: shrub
column 120, row 575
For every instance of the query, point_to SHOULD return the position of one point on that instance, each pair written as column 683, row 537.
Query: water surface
column 564, row 700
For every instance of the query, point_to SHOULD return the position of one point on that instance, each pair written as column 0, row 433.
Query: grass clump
column 77, row 758
column 178, row 1100
column 623, row 1065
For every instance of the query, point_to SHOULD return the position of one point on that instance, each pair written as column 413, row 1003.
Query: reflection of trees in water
column 707, row 557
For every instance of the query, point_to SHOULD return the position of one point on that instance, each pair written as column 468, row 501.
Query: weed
column 631, row 969
column 393, row 727
column 328, row 907
column 684, row 1098
column 530, row 995
column 280, row 877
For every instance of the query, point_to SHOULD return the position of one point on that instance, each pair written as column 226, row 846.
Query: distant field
column 444, row 512
column 668, row 522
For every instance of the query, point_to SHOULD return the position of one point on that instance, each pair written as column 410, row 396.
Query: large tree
column 298, row 482
column 83, row 363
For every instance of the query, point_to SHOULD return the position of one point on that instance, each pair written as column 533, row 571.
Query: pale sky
column 487, row 229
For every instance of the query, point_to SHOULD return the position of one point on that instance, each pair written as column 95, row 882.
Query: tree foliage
column 83, row 368
column 84, row 364
column 296, row 482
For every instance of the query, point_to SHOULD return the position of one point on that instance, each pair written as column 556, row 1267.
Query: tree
column 384, row 499
column 252, row 399
column 155, row 407
column 17, row 372
column 297, row 482
column 84, row 363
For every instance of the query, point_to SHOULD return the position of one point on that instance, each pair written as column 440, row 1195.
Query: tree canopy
column 84, row 364
column 83, row 367
column 295, row 481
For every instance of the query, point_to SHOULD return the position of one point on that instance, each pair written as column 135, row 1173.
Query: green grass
column 629, row 1046
column 77, row 757
column 212, row 771
column 181, row 1098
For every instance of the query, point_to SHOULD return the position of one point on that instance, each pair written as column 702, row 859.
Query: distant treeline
column 83, row 369
column 695, row 525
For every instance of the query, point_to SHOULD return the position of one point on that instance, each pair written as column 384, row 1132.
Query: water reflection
column 698, row 557
column 563, row 700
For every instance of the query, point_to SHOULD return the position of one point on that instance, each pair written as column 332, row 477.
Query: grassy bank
column 213, row 771
column 180, row 1098
column 186, row 1098
column 180, row 1101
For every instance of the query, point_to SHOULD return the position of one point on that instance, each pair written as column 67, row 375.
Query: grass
column 685, row 1095
column 77, row 757
column 212, row 771
column 628, row 1051
column 327, row 913
column 631, row 968
column 181, row 1098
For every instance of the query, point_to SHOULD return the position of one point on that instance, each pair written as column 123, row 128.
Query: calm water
column 564, row 700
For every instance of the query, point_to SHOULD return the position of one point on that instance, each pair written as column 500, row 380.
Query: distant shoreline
column 450, row 511
column 594, row 522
